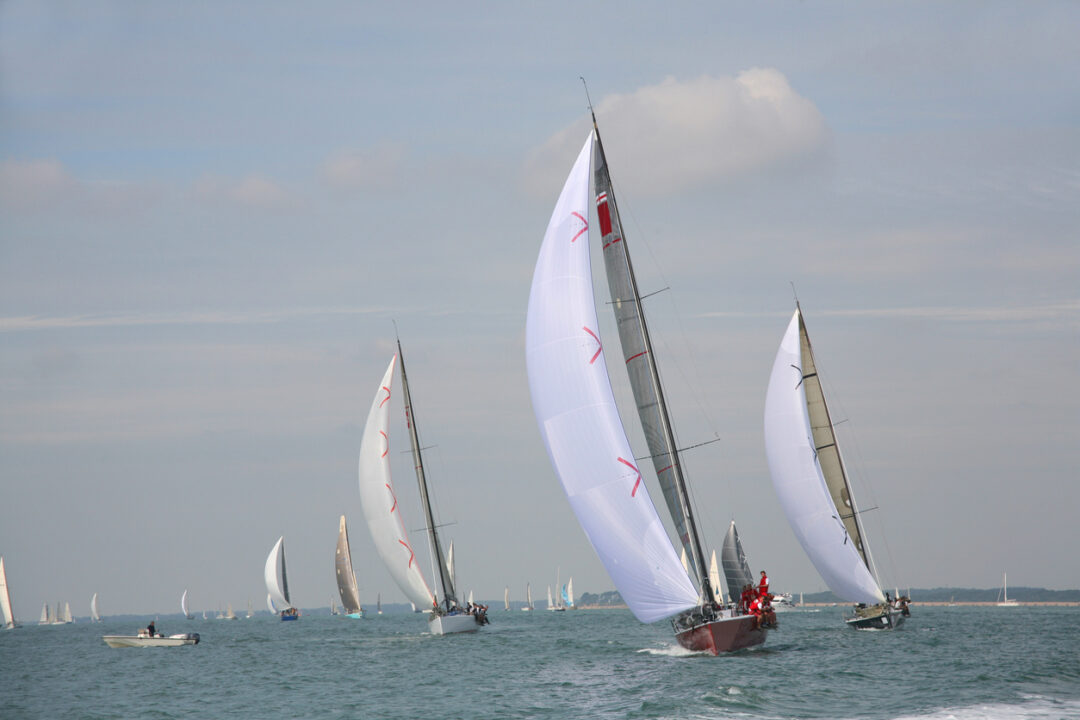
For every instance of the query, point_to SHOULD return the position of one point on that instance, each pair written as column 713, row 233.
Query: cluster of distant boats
column 581, row 427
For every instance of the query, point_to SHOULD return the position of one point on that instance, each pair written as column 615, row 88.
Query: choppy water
column 945, row 663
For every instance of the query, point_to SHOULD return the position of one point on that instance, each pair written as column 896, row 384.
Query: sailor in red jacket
column 763, row 586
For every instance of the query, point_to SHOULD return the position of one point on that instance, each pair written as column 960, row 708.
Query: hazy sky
column 212, row 212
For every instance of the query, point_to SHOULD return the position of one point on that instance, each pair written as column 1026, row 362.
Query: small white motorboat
column 144, row 639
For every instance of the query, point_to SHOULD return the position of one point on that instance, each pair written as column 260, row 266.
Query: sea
column 945, row 662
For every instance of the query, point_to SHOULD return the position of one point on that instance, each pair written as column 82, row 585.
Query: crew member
column 763, row 586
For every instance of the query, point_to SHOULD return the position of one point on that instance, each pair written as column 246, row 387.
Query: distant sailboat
column 46, row 615
column 94, row 615
column 6, row 613
column 184, row 606
column 528, row 598
column 1003, row 594
column 506, row 598
column 250, row 610
column 66, row 617
column 810, row 479
column 229, row 614
column 277, row 582
column 346, row 576
column 568, row 594
column 384, row 516
column 583, row 432
column 378, row 604
column 552, row 605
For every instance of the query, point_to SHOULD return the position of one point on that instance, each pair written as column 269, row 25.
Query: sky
column 215, row 215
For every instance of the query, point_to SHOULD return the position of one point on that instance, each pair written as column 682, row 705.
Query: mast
column 641, row 366
column 443, row 575
column 828, row 451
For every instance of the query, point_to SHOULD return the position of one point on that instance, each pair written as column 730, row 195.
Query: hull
column 875, row 618
column 355, row 615
column 145, row 641
column 288, row 618
column 449, row 624
column 721, row 635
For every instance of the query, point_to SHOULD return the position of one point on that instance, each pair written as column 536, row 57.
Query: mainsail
column 379, row 501
column 277, row 582
column 803, row 456
column 736, row 570
column 443, row 572
column 579, row 422
column 5, row 598
column 346, row 578
column 714, row 579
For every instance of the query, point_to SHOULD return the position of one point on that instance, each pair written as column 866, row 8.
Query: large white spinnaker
column 579, row 422
column 277, row 583
column 379, row 502
column 800, row 484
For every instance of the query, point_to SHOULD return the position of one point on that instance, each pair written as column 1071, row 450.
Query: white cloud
column 30, row 186
column 253, row 191
column 369, row 168
column 668, row 137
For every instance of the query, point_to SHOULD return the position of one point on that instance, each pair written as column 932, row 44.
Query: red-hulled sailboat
column 580, row 424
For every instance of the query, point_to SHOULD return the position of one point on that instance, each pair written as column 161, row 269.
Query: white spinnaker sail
column 570, row 593
column 379, row 502
column 183, row 605
column 277, row 585
column 5, row 598
column 94, row 609
column 800, row 485
column 579, row 422
column 269, row 605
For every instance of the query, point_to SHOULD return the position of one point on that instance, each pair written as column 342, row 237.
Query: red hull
column 723, row 635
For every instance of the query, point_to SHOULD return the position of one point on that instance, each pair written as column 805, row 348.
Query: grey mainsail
column 346, row 577
column 449, row 598
column 737, row 571
column 828, row 452
column 642, row 370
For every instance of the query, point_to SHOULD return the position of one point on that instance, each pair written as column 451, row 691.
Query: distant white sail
column 379, row 501
column 277, row 582
column 346, row 576
column 94, row 616
column 579, row 422
column 819, row 525
column 5, row 598
column 184, row 605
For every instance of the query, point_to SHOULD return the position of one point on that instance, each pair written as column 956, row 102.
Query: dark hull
column 722, row 635
column 884, row 619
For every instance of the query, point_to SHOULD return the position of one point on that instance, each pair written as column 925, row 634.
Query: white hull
column 449, row 624
column 144, row 641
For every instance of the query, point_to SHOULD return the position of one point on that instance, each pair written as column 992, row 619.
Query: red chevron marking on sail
column 411, row 553
column 387, row 443
column 597, row 339
column 394, row 507
column 636, row 483
column 582, row 230
column 387, row 396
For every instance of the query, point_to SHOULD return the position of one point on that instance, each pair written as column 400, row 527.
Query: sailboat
column 1006, row 602
column 46, row 615
column 552, row 605
column 229, row 614
column 506, row 598
column 250, row 611
column 333, row 606
column 64, row 616
column 184, row 605
column 528, row 598
column 277, row 582
column 6, row 613
column 378, row 604
column 94, row 615
column 384, row 516
column 568, row 594
column 810, row 479
column 580, row 424
column 346, row 576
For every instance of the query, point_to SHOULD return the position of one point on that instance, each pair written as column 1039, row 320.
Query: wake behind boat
column 810, row 479
column 580, row 424
column 383, row 514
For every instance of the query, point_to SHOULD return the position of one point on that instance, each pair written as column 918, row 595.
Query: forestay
column 800, row 484
column 381, row 508
column 579, row 422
